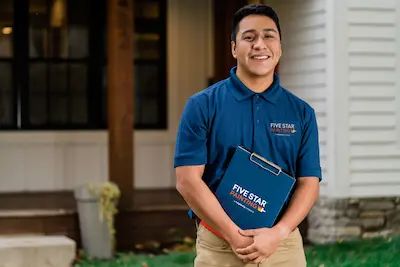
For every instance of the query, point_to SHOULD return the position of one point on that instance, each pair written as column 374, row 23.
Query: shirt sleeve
column 308, row 160
column 191, row 141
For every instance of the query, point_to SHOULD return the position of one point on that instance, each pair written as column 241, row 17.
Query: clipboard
column 253, row 190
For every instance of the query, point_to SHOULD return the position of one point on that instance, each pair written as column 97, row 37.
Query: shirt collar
column 241, row 91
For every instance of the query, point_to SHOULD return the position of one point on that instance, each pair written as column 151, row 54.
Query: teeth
column 261, row 57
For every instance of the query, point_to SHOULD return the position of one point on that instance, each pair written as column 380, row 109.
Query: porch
column 162, row 219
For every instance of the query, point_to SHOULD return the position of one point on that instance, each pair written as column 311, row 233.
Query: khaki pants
column 213, row 251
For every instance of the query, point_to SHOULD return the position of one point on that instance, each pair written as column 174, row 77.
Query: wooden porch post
column 223, row 15
column 120, row 97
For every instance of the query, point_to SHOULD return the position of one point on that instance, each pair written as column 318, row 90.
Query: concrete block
column 37, row 251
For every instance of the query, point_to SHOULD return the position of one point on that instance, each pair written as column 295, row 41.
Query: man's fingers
column 249, row 233
column 247, row 250
column 249, row 257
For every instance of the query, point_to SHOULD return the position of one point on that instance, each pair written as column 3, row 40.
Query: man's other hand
column 266, row 242
column 239, row 241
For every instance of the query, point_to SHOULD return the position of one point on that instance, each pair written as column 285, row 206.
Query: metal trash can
column 97, row 241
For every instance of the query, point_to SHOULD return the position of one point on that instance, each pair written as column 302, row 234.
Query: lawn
column 376, row 252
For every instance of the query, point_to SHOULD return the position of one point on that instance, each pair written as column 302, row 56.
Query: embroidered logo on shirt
column 283, row 129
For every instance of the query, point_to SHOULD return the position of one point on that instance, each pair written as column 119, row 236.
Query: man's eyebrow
column 265, row 30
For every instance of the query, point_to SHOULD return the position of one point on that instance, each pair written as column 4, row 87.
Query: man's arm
column 189, row 162
column 205, row 205
column 305, row 196
column 308, row 176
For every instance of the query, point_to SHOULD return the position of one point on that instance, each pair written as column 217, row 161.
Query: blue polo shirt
column 275, row 124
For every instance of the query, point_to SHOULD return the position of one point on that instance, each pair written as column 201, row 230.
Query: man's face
column 258, row 46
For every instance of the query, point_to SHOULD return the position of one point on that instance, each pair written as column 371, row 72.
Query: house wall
column 343, row 58
column 370, row 94
column 41, row 161
column 304, row 66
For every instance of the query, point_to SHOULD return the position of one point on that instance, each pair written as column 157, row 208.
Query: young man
column 249, row 108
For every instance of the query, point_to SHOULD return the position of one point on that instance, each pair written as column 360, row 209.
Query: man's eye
column 248, row 38
column 269, row 36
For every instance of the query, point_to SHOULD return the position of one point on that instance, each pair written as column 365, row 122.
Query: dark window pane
column 146, row 9
column 78, row 109
column 6, row 109
column 146, row 86
column 77, row 77
column 147, row 46
column 54, row 32
column 58, row 79
column 5, row 77
column 38, row 78
column 58, row 110
column 146, row 79
column 40, row 38
column 6, row 95
column 147, row 112
column 77, row 28
column 78, row 87
column 78, row 41
column 38, row 95
column 37, row 47
column 37, row 112
column 6, row 28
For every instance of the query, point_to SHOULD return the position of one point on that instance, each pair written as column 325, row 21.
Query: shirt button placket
column 257, row 109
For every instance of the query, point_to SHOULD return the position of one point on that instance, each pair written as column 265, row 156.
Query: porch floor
column 163, row 218
column 142, row 200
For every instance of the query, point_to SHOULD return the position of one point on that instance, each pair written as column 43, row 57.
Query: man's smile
column 260, row 57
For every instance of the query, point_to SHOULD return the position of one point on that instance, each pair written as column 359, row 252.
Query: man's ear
column 233, row 48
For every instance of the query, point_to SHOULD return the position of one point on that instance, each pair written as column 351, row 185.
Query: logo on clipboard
column 247, row 199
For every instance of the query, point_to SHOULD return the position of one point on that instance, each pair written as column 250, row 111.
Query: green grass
column 376, row 252
column 173, row 259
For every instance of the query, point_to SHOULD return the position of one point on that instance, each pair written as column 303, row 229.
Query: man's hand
column 266, row 242
column 239, row 241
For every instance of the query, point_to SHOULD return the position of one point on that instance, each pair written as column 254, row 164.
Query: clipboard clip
column 279, row 170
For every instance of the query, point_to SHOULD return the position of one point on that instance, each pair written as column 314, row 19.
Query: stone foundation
column 333, row 220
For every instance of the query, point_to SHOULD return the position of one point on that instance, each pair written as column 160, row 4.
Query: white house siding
column 373, row 50
column 303, row 67
column 42, row 161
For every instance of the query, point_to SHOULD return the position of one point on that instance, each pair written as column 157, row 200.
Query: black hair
column 253, row 9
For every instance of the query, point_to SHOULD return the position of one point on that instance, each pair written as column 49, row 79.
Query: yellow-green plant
column 108, row 195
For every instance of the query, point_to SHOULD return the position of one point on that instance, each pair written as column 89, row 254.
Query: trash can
column 96, row 235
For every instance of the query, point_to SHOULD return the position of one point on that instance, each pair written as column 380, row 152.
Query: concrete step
column 36, row 251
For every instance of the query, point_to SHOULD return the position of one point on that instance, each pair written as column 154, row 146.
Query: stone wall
column 333, row 220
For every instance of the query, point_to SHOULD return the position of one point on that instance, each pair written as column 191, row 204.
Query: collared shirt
column 275, row 124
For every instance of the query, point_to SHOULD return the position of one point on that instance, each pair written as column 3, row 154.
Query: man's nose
column 259, row 43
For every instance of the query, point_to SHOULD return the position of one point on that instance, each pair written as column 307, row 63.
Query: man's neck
column 255, row 83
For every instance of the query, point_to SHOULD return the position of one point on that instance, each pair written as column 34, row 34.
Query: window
column 58, row 63
column 53, row 64
column 7, row 96
column 149, row 61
